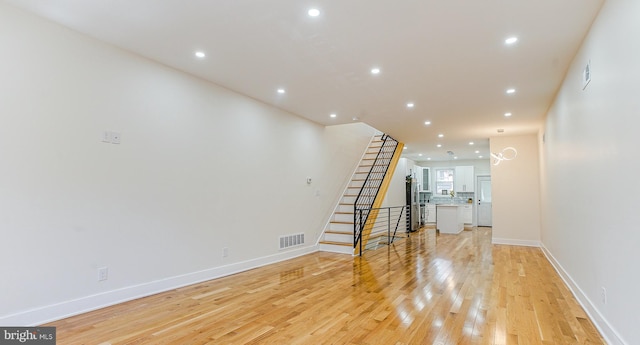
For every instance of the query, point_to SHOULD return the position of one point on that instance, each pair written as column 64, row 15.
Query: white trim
column 66, row 309
column 601, row 323
column 514, row 242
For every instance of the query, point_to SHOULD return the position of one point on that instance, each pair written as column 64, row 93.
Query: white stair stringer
column 337, row 236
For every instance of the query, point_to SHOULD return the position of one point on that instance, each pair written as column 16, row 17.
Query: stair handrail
column 360, row 217
column 398, row 213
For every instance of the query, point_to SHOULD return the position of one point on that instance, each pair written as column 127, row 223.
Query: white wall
column 590, row 183
column 515, row 192
column 200, row 168
column 396, row 194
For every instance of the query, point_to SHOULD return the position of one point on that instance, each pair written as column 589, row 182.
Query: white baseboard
column 512, row 242
column 66, row 309
column 606, row 330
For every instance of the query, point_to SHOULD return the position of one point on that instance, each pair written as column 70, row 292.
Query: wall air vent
column 287, row 241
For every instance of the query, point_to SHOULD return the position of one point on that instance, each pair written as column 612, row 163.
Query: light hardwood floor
column 427, row 289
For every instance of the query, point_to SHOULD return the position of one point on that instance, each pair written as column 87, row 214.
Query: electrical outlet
column 603, row 295
column 225, row 252
column 103, row 274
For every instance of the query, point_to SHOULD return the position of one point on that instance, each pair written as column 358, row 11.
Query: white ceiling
column 446, row 56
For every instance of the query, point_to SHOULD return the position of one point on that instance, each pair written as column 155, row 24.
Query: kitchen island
column 450, row 218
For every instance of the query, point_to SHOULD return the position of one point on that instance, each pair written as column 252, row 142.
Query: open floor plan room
column 425, row 289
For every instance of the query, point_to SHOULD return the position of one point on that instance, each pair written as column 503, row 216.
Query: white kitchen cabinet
column 417, row 175
column 463, row 181
column 450, row 219
column 430, row 213
column 467, row 214
column 425, row 179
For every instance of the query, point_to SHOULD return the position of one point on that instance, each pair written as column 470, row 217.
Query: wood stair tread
column 338, row 232
column 340, row 222
column 337, row 243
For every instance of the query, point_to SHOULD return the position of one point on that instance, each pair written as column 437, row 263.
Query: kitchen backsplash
column 460, row 198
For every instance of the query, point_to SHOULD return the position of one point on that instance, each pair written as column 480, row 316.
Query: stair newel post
column 389, row 226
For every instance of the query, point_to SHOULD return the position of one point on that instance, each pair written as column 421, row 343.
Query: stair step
column 340, row 222
column 339, row 232
column 337, row 243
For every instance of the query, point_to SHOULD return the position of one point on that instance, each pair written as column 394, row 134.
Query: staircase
column 338, row 237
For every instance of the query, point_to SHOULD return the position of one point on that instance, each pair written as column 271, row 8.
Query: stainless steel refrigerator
column 413, row 204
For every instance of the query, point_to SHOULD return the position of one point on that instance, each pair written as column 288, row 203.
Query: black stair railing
column 371, row 186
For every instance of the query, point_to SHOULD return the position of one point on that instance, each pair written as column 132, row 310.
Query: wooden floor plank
column 424, row 289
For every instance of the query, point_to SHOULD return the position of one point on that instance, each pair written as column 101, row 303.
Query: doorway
column 484, row 201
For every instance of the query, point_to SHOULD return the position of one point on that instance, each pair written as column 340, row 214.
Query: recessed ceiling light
column 314, row 12
column 405, row 148
column 439, row 145
column 471, row 143
column 440, row 135
column 355, row 118
column 477, row 151
column 200, row 54
column 375, row 71
column 410, row 105
column 420, row 154
column 511, row 91
column 333, row 115
column 511, row 40
column 507, row 114
column 455, row 157
column 479, row 156
column 281, row 91
column 427, row 123
column 428, row 158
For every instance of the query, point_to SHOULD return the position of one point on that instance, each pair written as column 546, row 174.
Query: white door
column 484, row 201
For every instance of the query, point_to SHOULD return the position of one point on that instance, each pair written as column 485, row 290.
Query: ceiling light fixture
column 507, row 114
column 333, row 115
column 471, row 143
column 200, row 55
column 314, row 12
column 427, row 123
column 375, row 71
column 420, row 154
column 281, row 91
column 428, row 158
column 477, row 151
column 507, row 154
column 410, row 105
column 511, row 40
column 404, row 148
column 511, row 91
column 439, row 145
column 440, row 135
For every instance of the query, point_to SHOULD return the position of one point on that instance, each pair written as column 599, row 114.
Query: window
column 444, row 181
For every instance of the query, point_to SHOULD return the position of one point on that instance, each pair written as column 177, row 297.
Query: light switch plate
column 106, row 137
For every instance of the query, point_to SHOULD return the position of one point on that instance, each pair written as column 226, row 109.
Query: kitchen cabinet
column 467, row 214
column 450, row 219
column 430, row 213
column 425, row 179
column 417, row 175
column 463, row 181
